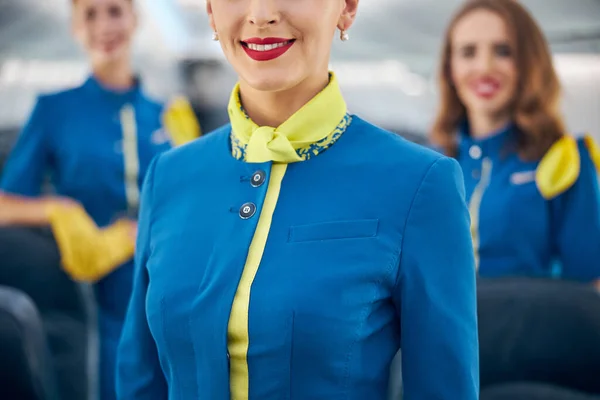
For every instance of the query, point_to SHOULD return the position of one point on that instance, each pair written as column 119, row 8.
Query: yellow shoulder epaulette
column 559, row 168
column 594, row 150
column 180, row 122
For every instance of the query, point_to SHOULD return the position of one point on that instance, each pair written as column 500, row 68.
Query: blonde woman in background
column 95, row 142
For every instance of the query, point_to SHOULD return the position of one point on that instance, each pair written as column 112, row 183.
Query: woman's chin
column 271, row 78
column 109, row 56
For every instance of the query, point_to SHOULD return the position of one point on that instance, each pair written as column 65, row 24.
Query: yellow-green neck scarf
column 312, row 129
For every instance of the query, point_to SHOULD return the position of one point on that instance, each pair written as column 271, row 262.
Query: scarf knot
column 312, row 129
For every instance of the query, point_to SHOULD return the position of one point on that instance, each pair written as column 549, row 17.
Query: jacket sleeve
column 436, row 291
column 139, row 373
column 576, row 220
column 29, row 160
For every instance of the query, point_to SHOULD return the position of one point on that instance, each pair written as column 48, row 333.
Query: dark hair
column 535, row 109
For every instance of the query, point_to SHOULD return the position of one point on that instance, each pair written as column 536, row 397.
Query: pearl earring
column 344, row 35
column 215, row 36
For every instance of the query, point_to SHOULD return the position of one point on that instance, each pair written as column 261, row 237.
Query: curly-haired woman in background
column 533, row 196
column 532, row 190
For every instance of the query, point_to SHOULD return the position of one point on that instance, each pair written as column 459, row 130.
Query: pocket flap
column 334, row 230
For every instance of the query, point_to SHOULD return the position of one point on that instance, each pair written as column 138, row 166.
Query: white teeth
column 265, row 47
column 486, row 87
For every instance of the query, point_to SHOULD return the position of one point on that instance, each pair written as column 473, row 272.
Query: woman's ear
column 211, row 19
column 348, row 14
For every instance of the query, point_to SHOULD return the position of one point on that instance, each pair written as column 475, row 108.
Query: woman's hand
column 63, row 201
column 29, row 211
column 132, row 229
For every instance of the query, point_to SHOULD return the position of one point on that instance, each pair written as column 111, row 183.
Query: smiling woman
column 532, row 189
column 95, row 141
column 325, row 245
column 266, row 49
column 105, row 30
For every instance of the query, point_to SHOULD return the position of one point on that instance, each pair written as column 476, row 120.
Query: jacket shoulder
column 60, row 95
column 394, row 150
column 207, row 148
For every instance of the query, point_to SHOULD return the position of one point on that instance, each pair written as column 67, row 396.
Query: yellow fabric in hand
column 180, row 121
column 87, row 252
column 313, row 123
column 559, row 168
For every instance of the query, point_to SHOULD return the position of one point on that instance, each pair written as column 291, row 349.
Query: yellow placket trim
column 475, row 206
column 130, row 156
column 238, row 335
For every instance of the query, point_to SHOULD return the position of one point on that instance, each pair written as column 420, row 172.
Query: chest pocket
column 337, row 230
column 347, row 247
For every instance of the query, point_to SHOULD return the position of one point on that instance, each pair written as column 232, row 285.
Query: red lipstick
column 266, row 49
column 486, row 87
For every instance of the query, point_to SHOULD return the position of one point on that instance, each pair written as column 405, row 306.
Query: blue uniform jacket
column 74, row 138
column 368, row 250
column 539, row 218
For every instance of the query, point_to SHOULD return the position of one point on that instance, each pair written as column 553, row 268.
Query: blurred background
column 387, row 69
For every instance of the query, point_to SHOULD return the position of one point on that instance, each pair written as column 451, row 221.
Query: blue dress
column 364, row 248
column 538, row 218
column 75, row 138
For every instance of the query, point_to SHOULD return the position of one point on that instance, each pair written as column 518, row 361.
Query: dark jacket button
column 258, row 178
column 247, row 210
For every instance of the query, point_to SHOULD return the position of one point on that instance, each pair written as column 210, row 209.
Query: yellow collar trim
column 311, row 130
